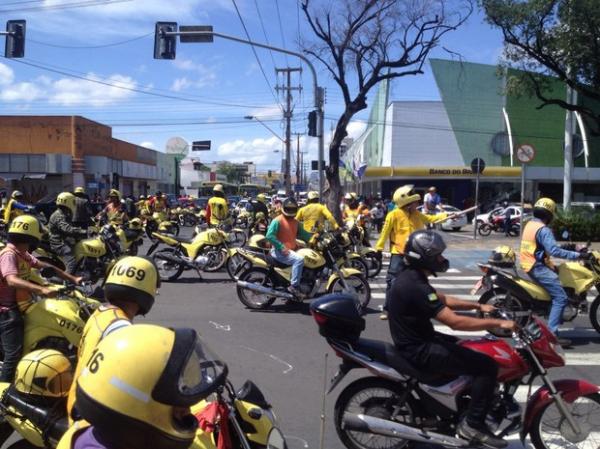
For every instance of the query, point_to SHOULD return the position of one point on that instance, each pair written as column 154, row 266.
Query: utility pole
column 298, row 159
column 287, row 114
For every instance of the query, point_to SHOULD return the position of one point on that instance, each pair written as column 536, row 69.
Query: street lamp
column 252, row 117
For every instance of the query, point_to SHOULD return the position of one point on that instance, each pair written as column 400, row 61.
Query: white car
column 453, row 224
column 515, row 212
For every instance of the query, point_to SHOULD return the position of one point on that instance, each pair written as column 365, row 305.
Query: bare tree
column 363, row 42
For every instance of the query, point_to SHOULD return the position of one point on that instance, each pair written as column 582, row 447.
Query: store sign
column 449, row 172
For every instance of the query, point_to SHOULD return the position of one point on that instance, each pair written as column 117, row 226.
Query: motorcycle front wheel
column 167, row 269
column 360, row 286
column 372, row 396
column 217, row 257
column 235, row 265
column 551, row 430
column 374, row 264
column 484, row 230
column 501, row 299
column 359, row 264
column 252, row 299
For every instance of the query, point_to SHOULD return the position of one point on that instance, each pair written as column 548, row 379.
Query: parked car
column 515, row 213
column 453, row 224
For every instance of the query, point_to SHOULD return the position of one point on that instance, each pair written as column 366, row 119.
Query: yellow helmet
column 503, row 256
column 405, row 195
column 129, row 393
column 44, row 372
column 114, row 192
column 312, row 195
column 16, row 194
column 25, row 229
column 133, row 278
column 350, row 196
column 135, row 223
column 79, row 190
column 261, row 197
column 66, row 199
column 218, row 188
column 547, row 204
column 142, row 197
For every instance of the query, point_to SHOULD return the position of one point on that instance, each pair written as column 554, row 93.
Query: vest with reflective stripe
column 218, row 209
column 288, row 231
column 93, row 332
column 529, row 245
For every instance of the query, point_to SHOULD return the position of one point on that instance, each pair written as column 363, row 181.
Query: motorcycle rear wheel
column 595, row 314
column 251, row 299
column 374, row 264
column 372, row 396
column 217, row 258
column 167, row 270
column 359, row 284
column 484, row 230
column 501, row 299
column 559, row 434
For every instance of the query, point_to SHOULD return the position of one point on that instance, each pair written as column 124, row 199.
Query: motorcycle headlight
column 276, row 439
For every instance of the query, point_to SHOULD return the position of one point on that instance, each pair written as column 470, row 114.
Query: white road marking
column 221, row 327
column 452, row 286
column 302, row 441
column 271, row 356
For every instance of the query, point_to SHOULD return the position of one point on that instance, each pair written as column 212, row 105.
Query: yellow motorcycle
column 159, row 222
column 239, row 260
column 502, row 287
column 266, row 279
column 370, row 255
column 206, row 251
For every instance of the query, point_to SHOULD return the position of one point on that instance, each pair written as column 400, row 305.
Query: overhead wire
column 262, row 24
column 281, row 30
column 87, row 47
column 72, row 5
column 256, row 54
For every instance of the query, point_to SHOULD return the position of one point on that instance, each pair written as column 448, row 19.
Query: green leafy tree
column 363, row 42
column 235, row 173
column 550, row 39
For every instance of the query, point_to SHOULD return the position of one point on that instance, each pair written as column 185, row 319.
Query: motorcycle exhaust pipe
column 378, row 426
column 265, row 290
column 169, row 258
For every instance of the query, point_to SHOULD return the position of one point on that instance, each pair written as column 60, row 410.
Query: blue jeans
column 293, row 259
column 548, row 279
column 395, row 267
column 11, row 339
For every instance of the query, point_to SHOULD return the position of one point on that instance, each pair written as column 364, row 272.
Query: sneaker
column 564, row 342
column 480, row 436
column 383, row 316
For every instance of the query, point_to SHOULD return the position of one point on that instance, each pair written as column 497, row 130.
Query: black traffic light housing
column 165, row 46
column 312, row 124
column 15, row 39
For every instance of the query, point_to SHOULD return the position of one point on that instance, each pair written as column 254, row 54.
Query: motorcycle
column 400, row 403
column 370, row 255
column 507, row 290
column 130, row 237
column 159, row 222
column 206, row 251
column 497, row 225
column 185, row 216
column 237, row 262
column 267, row 279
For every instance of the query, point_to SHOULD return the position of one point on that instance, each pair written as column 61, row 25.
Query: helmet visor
column 198, row 370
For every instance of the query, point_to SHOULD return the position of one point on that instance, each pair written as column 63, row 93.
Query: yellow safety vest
column 529, row 245
column 93, row 332
column 218, row 209
column 10, row 213
column 315, row 214
column 399, row 224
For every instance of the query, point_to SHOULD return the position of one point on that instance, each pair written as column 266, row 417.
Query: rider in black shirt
column 414, row 302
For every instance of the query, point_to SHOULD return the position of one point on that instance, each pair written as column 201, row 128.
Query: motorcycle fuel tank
column 90, row 248
column 510, row 363
column 576, row 276
column 312, row 259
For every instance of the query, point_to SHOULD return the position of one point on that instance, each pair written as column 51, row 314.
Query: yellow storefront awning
column 440, row 172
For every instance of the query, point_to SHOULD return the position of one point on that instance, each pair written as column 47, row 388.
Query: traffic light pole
column 318, row 91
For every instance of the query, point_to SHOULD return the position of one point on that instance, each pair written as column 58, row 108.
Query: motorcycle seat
column 388, row 354
column 181, row 239
column 275, row 263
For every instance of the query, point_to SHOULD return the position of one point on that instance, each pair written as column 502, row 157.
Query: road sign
column 477, row 165
column 525, row 153
column 201, row 145
column 186, row 38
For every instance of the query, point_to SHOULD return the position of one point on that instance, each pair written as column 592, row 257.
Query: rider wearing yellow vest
column 130, row 288
column 398, row 226
column 137, row 390
column 537, row 246
column 15, row 206
column 313, row 215
column 115, row 211
column 217, row 209
column 16, row 262
column 354, row 208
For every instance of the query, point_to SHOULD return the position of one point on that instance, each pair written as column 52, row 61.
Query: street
column 282, row 352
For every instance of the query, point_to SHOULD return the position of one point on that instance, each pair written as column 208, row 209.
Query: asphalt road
column 282, row 352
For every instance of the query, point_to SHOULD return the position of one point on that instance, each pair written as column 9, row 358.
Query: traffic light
column 15, row 39
column 312, row 124
column 115, row 181
column 269, row 173
column 164, row 46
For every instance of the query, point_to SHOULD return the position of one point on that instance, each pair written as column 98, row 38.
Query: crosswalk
column 458, row 283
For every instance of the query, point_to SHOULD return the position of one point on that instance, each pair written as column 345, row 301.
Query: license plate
column 478, row 285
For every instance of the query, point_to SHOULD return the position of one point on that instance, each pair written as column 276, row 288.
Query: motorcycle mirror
column 48, row 272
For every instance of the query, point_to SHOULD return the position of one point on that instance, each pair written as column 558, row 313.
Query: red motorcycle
column 497, row 225
column 400, row 403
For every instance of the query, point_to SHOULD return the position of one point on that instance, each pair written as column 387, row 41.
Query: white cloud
column 148, row 145
column 201, row 75
column 7, row 75
column 261, row 151
column 69, row 92
column 24, row 92
column 180, row 84
column 355, row 129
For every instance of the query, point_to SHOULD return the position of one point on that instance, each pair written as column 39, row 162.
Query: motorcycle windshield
column 198, row 370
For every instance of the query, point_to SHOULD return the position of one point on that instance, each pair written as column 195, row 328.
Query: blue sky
column 211, row 87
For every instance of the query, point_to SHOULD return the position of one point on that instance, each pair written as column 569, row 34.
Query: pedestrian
column 63, row 234
column 507, row 219
column 432, row 201
column 83, row 210
column 378, row 213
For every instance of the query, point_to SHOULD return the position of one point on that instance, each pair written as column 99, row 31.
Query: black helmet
column 290, row 207
column 424, row 250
